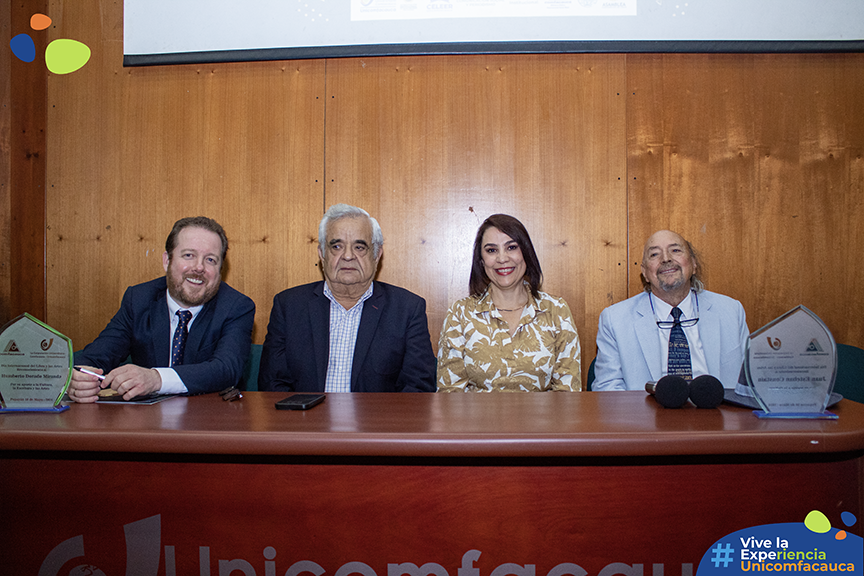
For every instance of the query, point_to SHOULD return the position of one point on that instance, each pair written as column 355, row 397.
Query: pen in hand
column 91, row 373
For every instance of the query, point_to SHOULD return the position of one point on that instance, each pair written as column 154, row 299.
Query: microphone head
column 706, row 391
column 672, row 391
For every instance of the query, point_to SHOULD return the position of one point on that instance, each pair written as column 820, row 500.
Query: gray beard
column 673, row 286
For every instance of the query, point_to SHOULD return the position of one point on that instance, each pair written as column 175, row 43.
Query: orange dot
column 841, row 535
column 40, row 21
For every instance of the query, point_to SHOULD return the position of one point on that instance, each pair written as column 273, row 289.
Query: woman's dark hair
column 515, row 230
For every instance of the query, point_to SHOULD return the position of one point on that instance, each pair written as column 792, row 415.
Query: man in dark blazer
column 217, row 337
column 348, row 333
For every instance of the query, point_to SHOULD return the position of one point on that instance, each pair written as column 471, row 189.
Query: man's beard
column 674, row 285
column 179, row 292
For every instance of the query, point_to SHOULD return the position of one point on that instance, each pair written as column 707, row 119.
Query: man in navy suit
column 348, row 333
column 633, row 339
column 187, row 332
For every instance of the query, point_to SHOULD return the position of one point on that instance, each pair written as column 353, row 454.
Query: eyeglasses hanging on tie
column 669, row 324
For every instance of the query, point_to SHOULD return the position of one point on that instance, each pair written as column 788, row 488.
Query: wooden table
column 525, row 484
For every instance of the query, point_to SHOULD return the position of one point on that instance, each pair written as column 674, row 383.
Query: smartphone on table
column 300, row 401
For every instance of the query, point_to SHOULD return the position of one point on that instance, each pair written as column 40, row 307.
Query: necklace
column 512, row 309
column 527, row 297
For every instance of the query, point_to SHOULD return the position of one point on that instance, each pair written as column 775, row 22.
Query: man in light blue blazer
column 633, row 338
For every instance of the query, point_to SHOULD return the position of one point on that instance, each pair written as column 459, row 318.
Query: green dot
column 64, row 56
column 817, row 522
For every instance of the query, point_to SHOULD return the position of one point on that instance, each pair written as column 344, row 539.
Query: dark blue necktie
column 178, row 345
column 679, row 349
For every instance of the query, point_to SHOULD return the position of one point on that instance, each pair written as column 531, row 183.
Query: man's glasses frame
column 667, row 324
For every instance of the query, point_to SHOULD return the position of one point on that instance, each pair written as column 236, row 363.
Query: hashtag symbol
column 723, row 555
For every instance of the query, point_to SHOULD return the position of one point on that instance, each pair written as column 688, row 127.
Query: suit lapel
column 709, row 333
column 200, row 327
column 319, row 323
column 646, row 333
column 368, row 325
column 160, row 336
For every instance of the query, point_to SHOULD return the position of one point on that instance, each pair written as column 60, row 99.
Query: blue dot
column 23, row 47
column 848, row 518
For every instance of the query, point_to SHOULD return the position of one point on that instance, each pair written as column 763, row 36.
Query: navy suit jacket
column 393, row 352
column 628, row 342
column 216, row 349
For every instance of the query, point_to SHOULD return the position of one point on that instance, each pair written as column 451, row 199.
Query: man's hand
column 83, row 388
column 130, row 381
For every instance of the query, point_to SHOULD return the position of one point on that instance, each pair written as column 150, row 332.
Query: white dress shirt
column 171, row 382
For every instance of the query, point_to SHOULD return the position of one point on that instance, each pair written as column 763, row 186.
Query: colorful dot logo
column 817, row 522
column 800, row 547
column 62, row 56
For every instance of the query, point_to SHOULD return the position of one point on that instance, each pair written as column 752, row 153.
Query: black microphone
column 670, row 391
column 706, row 391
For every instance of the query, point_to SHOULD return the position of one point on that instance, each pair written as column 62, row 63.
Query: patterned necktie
column 679, row 349
column 178, row 345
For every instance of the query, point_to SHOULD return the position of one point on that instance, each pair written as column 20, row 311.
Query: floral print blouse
column 477, row 354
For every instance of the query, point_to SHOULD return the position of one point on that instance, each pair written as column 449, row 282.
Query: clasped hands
column 128, row 381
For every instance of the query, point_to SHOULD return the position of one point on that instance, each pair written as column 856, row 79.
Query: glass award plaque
column 790, row 365
column 35, row 366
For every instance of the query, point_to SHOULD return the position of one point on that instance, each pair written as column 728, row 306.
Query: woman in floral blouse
column 508, row 336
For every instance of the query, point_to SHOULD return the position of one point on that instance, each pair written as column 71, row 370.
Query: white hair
column 338, row 211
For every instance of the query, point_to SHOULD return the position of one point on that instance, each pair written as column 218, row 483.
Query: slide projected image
column 364, row 10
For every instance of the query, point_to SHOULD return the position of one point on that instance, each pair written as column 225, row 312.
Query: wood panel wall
column 5, row 165
column 23, row 168
column 758, row 160
column 433, row 146
column 755, row 158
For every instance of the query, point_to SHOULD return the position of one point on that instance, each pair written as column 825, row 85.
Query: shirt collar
column 664, row 310
column 484, row 303
column 173, row 307
column 366, row 295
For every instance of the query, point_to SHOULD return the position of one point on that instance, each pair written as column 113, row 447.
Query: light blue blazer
column 628, row 348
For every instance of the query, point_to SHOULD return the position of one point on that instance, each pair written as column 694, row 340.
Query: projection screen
column 192, row 31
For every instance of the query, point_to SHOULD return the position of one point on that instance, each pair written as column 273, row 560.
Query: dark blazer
column 216, row 349
column 393, row 352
